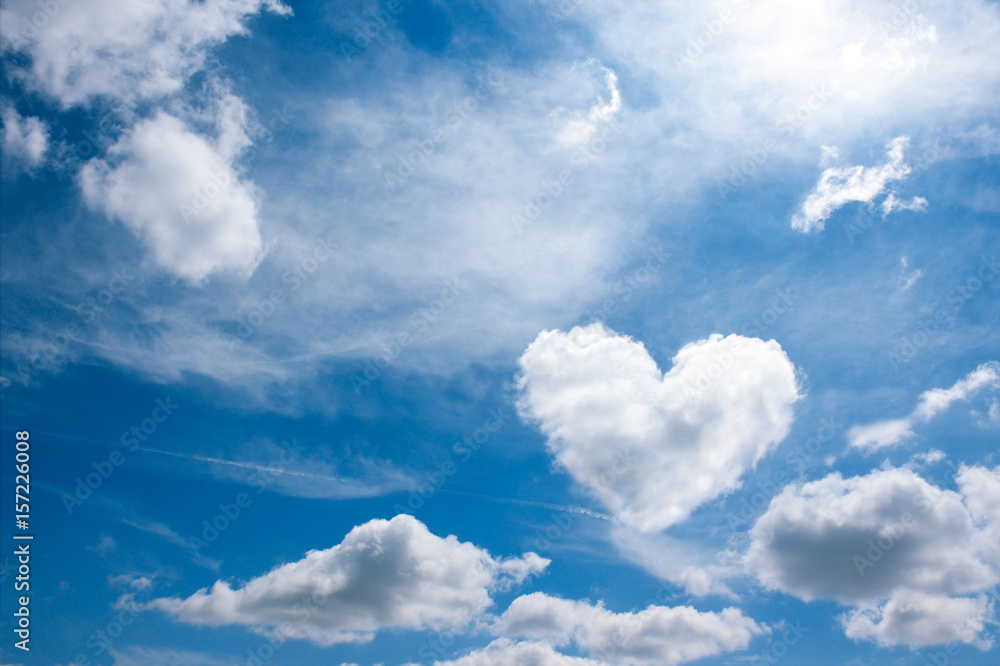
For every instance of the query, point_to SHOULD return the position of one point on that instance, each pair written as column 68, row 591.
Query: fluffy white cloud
column 931, row 403
column 384, row 574
column 654, row 446
column 124, row 49
column 505, row 652
column 656, row 635
column 841, row 185
column 981, row 488
column 915, row 619
column 25, row 139
column 181, row 194
column 885, row 543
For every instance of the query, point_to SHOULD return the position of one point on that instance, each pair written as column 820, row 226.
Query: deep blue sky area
column 461, row 334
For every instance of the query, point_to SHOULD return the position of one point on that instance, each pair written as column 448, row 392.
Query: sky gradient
column 552, row 332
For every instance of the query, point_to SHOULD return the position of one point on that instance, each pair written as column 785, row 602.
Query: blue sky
column 461, row 333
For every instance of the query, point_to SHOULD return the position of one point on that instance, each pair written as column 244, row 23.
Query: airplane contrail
column 220, row 461
column 545, row 505
column 346, row 484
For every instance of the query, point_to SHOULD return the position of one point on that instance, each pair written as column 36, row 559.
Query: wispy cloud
column 931, row 403
column 841, row 185
column 285, row 469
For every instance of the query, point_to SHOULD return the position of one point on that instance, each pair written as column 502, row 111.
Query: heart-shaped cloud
column 651, row 446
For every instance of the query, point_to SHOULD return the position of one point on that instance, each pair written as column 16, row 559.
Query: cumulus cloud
column 931, row 403
column 915, row 619
column 124, row 50
column 384, row 574
column 841, row 185
column 180, row 192
column 505, row 652
column 981, row 489
column 885, row 543
column 653, row 446
column 24, row 139
column 891, row 203
column 656, row 635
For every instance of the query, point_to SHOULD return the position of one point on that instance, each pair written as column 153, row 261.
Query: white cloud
column 931, row 403
column 907, row 280
column 884, row 543
column 992, row 417
column 891, row 203
column 125, row 49
column 877, row 60
column 181, row 194
column 841, row 185
column 505, row 652
column 24, row 139
column 918, row 620
column 681, row 561
column 384, row 574
column 579, row 129
column 135, row 581
column 656, row 635
column 981, row 488
column 928, row 457
column 683, row 131
column 652, row 446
